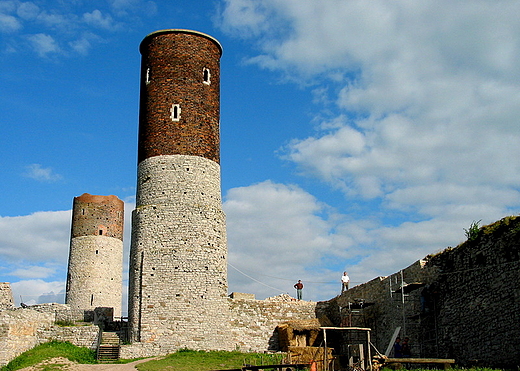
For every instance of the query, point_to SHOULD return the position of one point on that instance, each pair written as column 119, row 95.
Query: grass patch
column 191, row 360
column 50, row 350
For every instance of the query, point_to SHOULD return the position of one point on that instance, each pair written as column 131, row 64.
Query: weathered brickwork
column 96, row 253
column 181, row 68
column 178, row 270
column 6, row 296
column 94, row 215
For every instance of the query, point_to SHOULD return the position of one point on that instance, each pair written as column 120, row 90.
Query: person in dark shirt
column 299, row 287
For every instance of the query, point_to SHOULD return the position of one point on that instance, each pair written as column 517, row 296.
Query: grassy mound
column 50, row 350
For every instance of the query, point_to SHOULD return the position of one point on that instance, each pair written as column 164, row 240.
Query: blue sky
column 356, row 135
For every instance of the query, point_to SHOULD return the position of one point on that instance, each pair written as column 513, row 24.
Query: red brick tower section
column 180, row 95
column 178, row 257
column 96, row 253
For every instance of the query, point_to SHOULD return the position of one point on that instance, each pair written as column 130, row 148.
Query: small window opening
column 91, row 299
column 97, row 252
column 206, row 76
column 100, row 232
column 148, row 75
column 83, row 211
column 175, row 112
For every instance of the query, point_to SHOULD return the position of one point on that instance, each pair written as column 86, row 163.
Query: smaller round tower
column 95, row 270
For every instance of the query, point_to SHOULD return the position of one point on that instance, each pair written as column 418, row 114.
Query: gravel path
column 65, row 364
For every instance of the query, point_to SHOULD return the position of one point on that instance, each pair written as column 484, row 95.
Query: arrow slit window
column 175, row 112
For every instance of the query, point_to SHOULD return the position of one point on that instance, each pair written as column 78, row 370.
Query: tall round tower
column 96, row 253
column 178, row 272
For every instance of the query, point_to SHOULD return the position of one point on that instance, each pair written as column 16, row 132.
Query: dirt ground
column 65, row 364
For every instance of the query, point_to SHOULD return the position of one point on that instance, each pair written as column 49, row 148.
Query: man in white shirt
column 344, row 282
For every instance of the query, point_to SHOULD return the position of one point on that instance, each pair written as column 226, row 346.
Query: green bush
column 473, row 231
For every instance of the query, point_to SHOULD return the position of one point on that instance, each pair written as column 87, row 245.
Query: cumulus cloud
column 66, row 29
column 42, row 236
column 33, row 272
column 38, row 291
column 43, row 44
column 9, row 24
column 37, row 172
column 286, row 229
column 97, row 19
column 28, row 10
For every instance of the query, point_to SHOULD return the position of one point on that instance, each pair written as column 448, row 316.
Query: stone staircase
column 108, row 349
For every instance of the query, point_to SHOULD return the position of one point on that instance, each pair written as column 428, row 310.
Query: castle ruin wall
column 6, row 296
column 22, row 329
column 464, row 304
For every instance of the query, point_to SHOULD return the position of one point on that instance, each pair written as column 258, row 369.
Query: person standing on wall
column 299, row 287
column 345, row 279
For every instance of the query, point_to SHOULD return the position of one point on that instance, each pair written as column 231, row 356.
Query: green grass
column 50, row 350
column 191, row 360
column 183, row 360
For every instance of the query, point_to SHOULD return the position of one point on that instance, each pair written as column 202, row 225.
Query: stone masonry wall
column 95, row 273
column 23, row 329
column 465, row 307
column 477, row 297
column 384, row 309
column 6, row 296
column 95, row 270
column 252, row 325
column 253, row 322
column 178, row 271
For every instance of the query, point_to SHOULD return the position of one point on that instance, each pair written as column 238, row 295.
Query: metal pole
column 402, row 296
column 325, row 361
column 369, row 353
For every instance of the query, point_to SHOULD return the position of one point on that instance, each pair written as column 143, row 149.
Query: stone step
column 108, row 352
column 110, row 338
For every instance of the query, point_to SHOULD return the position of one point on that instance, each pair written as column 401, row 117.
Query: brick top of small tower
column 94, row 215
column 180, row 95
column 176, row 30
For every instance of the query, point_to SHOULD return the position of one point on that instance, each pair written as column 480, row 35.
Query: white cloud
column 287, row 230
column 38, row 291
column 43, row 44
column 9, row 24
column 99, row 20
column 36, row 171
column 419, row 113
column 33, row 272
column 28, row 10
column 437, row 95
column 42, row 236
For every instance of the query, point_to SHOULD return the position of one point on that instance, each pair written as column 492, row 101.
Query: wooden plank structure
column 366, row 361
column 280, row 367
column 445, row 362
